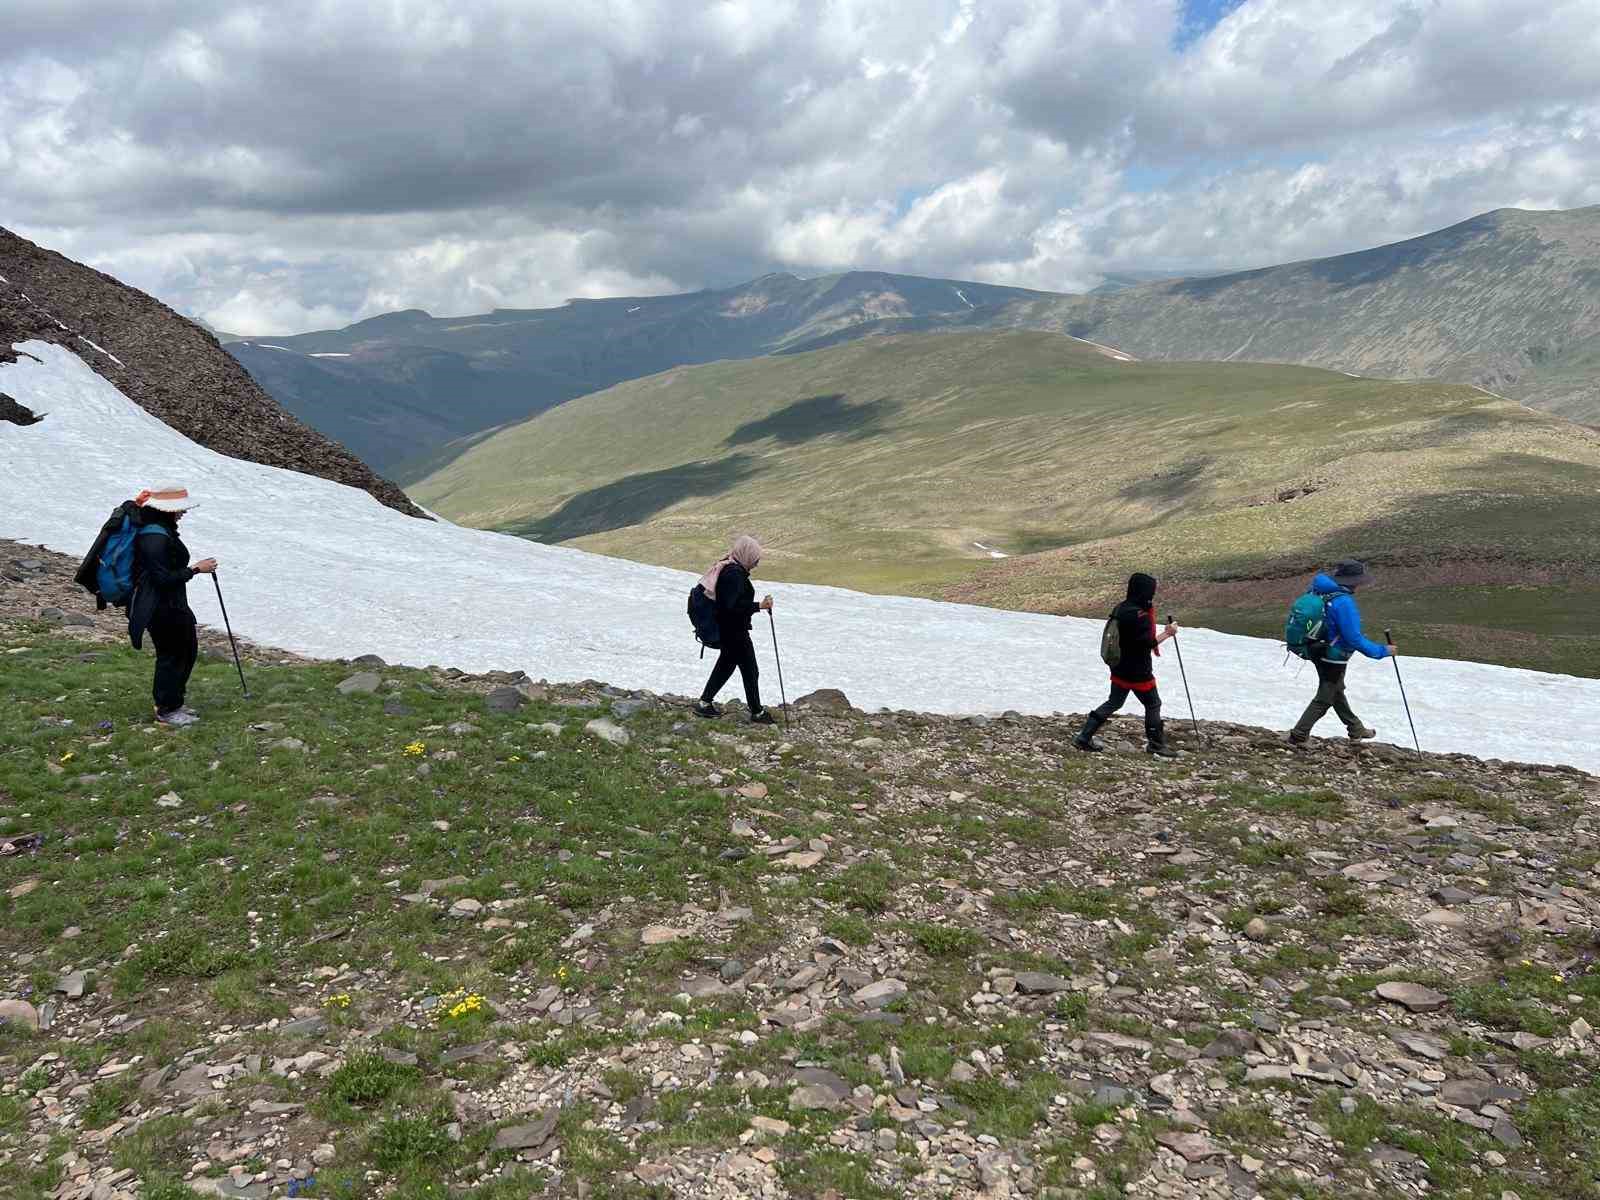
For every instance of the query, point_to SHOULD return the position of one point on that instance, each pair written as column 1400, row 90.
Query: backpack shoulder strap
column 160, row 529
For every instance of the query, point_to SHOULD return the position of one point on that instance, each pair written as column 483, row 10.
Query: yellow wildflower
column 68, row 756
column 415, row 750
column 342, row 1000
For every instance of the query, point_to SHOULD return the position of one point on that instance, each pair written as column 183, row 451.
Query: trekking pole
column 1185, row 675
column 229, row 627
column 778, row 658
column 1388, row 637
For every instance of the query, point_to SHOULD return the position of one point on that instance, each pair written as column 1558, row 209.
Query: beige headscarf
column 746, row 552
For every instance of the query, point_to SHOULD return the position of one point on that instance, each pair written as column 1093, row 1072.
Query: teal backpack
column 1306, row 631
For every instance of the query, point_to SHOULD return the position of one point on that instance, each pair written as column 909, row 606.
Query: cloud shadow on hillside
column 813, row 418
column 1170, row 486
column 636, row 498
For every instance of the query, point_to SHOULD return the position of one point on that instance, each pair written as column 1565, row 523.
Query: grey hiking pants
column 1330, row 694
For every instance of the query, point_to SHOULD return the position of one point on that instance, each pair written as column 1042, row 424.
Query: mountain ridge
column 170, row 366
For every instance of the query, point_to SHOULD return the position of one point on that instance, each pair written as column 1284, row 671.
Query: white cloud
column 332, row 160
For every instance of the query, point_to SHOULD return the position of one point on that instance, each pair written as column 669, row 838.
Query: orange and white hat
column 168, row 499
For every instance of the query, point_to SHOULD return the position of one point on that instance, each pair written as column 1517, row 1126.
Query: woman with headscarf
column 160, row 603
column 1134, row 673
column 728, row 584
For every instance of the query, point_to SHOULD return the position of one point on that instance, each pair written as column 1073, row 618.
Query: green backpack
column 1306, row 631
column 1111, row 642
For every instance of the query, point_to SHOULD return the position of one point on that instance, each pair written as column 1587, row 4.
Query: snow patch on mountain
column 324, row 569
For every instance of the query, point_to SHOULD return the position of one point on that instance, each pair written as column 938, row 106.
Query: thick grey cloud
column 275, row 167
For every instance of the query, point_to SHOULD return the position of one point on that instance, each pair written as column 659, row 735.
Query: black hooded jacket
column 736, row 602
column 1136, row 627
column 161, row 575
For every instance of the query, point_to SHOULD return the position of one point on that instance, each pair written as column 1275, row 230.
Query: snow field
column 323, row 569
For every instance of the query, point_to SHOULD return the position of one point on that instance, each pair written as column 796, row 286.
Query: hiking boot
column 177, row 718
column 704, row 708
column 1160, row 749
column 1086, row 740
column 1360, row 733
column 762, row 717
column 1296, row 738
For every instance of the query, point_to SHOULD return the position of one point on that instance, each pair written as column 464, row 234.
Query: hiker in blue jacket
column 1344, row 639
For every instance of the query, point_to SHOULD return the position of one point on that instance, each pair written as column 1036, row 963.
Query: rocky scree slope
column 413, row 931
column 166, row 364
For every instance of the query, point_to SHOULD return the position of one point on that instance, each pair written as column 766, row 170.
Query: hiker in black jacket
column 728, row 584
column 160, row 604
column 1134, row 673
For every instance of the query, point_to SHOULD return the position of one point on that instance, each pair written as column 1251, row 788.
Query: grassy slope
column 277, row 880
column 878, row 464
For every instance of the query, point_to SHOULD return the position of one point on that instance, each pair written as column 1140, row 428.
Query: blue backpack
column 703, row 616
column 114, row 576
column 1306, row 633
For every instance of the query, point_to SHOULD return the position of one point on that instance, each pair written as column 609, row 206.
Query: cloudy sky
column 286, row 166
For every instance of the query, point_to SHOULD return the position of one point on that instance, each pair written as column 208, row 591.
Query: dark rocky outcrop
column 167, row 365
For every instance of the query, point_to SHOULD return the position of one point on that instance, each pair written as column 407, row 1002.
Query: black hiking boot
column 704, row 708
column 1297, row 739
column 762, row 717
column 1086, row 740
column 1156, row 743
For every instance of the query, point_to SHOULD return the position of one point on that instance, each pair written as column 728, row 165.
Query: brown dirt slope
column 167, row 365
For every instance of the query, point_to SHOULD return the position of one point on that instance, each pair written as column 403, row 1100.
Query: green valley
column 906, row 463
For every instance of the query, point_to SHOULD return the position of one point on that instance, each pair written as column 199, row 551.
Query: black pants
column 1330, row 694
column 737, row 653
column 173, row 635
column 1152, row 709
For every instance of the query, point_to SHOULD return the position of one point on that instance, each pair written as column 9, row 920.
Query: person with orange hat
column 160, row 603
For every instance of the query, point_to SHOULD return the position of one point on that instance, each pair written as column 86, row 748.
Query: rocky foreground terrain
column 392, row 932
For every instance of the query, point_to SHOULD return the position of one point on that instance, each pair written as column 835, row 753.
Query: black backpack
column 703, row 616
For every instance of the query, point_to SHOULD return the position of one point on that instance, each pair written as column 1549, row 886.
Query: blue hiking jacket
column 1344, row 622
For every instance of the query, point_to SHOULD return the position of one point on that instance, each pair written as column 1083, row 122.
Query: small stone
column 466, row 907
column 1444, row 917
column 24, row 888
column 770, row 1126
column 825, row 700
column 71, row 985
column 1581, row 1029
column 754, row 791
column 364, row 683
column 324, row 1154
column 659, row 935
column 169, row 800
column 1423, row 1044
column 304, row 1027
column 609, row 731
column 1257, row 930
column 1412, row 996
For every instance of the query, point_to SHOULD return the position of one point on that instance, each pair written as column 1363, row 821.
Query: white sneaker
column 177, row 717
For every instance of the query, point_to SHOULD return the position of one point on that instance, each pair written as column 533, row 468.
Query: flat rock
column 658, row 935
column 1038, row 983
column 818, row 1089
column 1195, row 1147
column 466, row 907
column 1475, row 1093
column 71, row 985
column 1368, row 872
column 363, row 683
column 27, row 886
column 304, row 1027
column 1443, row 917
column 527, row 1137
column 1412, row 996
column 880, row 994
column 1117, row 1041
column 460, row 1054
column 169, row 800
column 1425, row 1045
column 609, row 731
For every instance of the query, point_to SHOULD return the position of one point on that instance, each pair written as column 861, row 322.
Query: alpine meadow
column 909, row 463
